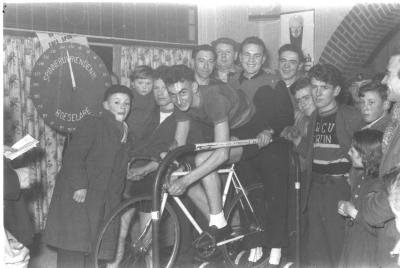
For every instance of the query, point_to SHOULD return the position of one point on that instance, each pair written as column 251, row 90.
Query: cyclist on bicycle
column 222, row 111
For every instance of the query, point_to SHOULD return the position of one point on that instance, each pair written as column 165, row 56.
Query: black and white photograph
column 201, row 134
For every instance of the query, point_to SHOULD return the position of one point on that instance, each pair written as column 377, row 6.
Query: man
column 220, row 109
column 291, row 60
column 377, row 210
column 325, row 148
column 252, row 56
column 296, row 30
column 204, row 58
column 227, row 52
column 271, row 166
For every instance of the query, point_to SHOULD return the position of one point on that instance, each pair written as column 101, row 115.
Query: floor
column 41, row 255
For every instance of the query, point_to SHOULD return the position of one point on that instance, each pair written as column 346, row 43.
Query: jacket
column 96, row 160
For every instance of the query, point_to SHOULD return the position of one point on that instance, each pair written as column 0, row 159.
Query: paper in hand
column 21, row 147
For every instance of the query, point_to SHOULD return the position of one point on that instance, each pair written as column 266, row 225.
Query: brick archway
column 361, row 33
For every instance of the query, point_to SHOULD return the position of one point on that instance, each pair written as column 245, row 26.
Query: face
column 204, row 64
column 295, row 27
column 143, row 86
column 305, row 101
column 289, row 65
column 252, row 58
column 181, row 94
column 355, row 158
column 225, row 55
column 392, row 79
column 324, row 95
column 372, row 106
column 119, row 104
column 160, row 93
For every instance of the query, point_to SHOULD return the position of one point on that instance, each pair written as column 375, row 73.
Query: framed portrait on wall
column 298, row 28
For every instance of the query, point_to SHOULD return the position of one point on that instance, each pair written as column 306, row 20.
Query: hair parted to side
column 368, row 142
column 204, row 47
column 178, row 73
column 117, row 89
column 376, row 86
column 326, row 73
column 300, row 84
column 141, row 72
column 255, row 41
column 292, row 48
column 161, row 72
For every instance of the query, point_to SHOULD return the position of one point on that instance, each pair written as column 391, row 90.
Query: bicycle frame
column 232, row 179
column 161, row 172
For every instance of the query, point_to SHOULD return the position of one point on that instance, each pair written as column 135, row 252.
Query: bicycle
column 238, row 208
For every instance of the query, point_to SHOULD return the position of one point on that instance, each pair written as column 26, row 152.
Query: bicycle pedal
column 205, row 245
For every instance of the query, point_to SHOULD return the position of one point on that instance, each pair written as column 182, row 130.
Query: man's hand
column 9, row 149
column 292, row 134
column 347, row 209
column 264, row 137
column 137, row 173
column 80, row 195
column 178, row 186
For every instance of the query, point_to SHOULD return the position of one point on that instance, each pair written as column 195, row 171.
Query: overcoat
column 95, row 159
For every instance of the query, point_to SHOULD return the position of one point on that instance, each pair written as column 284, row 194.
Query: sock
column 275, row 256
column 255, row 254
column 218, row 220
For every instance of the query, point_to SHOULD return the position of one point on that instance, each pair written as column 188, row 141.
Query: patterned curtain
column 21, row 118
column 126, row 58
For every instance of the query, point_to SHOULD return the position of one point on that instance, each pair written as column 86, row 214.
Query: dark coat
column 348, row 120
column 95, row 160
column 16, row 217
column 361, row 239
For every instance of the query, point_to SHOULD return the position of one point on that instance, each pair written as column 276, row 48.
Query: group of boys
column 219, row 101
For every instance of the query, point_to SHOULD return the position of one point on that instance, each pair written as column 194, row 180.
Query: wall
column 232, row 21
column 380, row 61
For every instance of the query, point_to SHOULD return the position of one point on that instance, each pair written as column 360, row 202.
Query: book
column 21, row 147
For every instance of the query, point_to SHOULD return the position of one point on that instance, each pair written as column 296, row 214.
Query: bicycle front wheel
column 134, row 237
column 241, row 216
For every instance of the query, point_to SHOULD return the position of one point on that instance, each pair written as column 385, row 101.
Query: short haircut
column 293, row 48
column 300, row 84
column 255, row 41
column 204, row 47
column 142, row 72
column 376, row 86
column 178, row 73
column 227, row 41
column 117, row 89
column 161, row 72
column 368, row 142
column 326, row 73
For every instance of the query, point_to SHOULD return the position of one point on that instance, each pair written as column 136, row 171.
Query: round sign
column 68, row 82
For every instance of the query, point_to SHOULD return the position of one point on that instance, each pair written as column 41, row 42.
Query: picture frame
column 298, row 28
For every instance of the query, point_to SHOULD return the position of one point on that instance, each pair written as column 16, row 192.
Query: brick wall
column 359, row 34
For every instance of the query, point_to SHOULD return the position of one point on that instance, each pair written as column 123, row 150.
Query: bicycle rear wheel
column 134, row 242
column 244, row 222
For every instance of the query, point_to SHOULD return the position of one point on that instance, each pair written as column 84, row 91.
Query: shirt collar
column 243, row 77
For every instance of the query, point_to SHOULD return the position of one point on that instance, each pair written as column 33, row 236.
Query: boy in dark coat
column 90, row 183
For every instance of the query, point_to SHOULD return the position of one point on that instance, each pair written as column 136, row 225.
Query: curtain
column 126, row 58
column 20, row 117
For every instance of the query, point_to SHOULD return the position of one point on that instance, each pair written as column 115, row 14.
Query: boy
column 325, row 148
column 374, row 105
column 142, row 84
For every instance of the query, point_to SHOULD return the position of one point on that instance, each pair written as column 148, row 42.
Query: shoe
column 242, row 259
column 220, row 234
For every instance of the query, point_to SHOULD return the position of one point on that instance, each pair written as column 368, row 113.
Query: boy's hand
column 264, row 137
column 347, row 209
column 178, row 186
column 80, row 195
